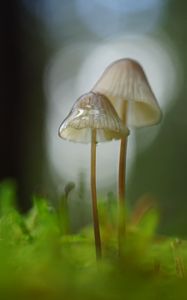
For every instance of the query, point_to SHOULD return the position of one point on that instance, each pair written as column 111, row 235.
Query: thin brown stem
column 94, row 196
column 122, row 170
column 121, row 181
column 121, row 194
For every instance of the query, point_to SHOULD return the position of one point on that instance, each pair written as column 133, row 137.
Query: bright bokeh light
column 125, row 16
column 73, row 71
column 64, row 19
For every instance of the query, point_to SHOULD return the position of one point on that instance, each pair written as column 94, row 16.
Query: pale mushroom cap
column 92, row 111
column 125, row 81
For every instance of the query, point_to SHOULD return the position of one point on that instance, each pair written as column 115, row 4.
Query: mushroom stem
column 121, row 193
column 122, row 170
column 122, row 183
column 94, row 196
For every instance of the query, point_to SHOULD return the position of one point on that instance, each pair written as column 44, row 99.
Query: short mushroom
column 125, row 84
column 93, row 119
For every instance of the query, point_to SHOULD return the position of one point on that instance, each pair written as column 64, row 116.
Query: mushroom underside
column 140, row 113
column 83, row 135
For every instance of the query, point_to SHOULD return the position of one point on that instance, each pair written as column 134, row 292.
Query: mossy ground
column 40, row 260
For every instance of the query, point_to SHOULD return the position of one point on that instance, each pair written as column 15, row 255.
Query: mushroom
column 93, row 119
column 125, row 84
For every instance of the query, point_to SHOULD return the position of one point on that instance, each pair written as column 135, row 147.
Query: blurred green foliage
column 39, row 260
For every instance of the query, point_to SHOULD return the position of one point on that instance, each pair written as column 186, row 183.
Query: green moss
column 40, row 260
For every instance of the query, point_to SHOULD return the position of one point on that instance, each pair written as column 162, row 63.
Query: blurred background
column 52, row 51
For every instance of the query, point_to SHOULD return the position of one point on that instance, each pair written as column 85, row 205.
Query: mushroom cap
column 92, row 111
column 125, row 80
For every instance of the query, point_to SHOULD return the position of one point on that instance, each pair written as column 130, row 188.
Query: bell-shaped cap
column 125, row 84
column 92, row 111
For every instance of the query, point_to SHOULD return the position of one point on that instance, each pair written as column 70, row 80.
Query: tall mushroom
column 125, row 84
column 93, row 119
